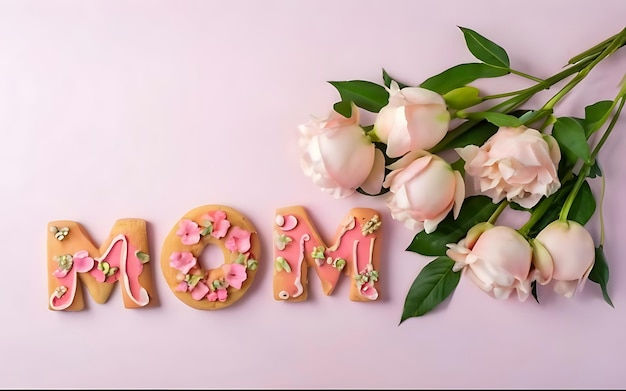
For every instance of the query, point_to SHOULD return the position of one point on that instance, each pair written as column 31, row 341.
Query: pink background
column 147, row 109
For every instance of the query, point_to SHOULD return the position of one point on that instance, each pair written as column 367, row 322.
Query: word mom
column 75, row 262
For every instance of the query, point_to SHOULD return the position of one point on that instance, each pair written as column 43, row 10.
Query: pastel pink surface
column 114, row 109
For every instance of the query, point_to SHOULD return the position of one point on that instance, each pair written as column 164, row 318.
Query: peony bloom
column 565, row 252
column 339, row 157
column 519, row 164
column 415, row 118
column 497, row 259
column 424, row 190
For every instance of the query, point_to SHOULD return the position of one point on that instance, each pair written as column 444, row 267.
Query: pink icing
column 288, row 222
column 70, row 280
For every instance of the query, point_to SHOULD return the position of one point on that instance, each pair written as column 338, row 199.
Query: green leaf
column 463, row 97
column 571, row 138
column 600, row 274
column 584, row 205
column 485, row 50
column 344, row 108
column 533, row 290
column 595, row 113
column 388, row 79
column 366, row 95
column 435, row 282
column 476, row 135
column 459, row 165
column 475, row 209
column 460, row 75
column 498, row 119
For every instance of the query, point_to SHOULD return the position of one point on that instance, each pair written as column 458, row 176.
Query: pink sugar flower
column 83, row 262
column 238, row 240
column 189, row 232
column 222, row 294
column 234, row 274
column 220, row 224
column 212, row 296
column 199, row 291
column 181, row 287
column 182, row 261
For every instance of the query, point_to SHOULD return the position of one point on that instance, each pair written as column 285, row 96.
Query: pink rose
column 519, row 164
column 564, row 252
column 339, row 157
column 496, row 258
column 424, row 190
column 415, row 118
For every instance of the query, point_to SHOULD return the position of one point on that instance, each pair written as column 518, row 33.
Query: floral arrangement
column 450, row 159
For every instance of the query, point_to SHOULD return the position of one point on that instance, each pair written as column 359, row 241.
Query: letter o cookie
column 210, row 289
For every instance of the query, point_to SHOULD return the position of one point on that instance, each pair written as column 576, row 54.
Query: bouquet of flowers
column 450, row 159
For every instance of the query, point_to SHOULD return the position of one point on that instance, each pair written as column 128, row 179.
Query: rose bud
column 415, row 118
column 424, row 190
column 338, row 156
column 569, row 256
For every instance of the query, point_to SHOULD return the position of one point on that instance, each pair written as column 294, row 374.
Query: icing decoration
column 215, row 224
column 355, row 252
column 286, row 223
column 59, row 234
column 189, row 231
column 210, row 289
column 74, row 261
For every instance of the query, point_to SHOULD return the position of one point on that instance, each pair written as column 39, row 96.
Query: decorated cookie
column 197, row 286
column 354, row 251
column 74, row 259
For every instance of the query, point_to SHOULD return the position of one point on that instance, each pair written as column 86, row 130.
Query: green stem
column 496, row 213
column 593, row 50
column 527, row 76
column 519, row 99
column 583, row 67
column 608, row 131
column 600, row 212
column 582, row 176
column 616, row 43
column 543, row 206
column 503, row 95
